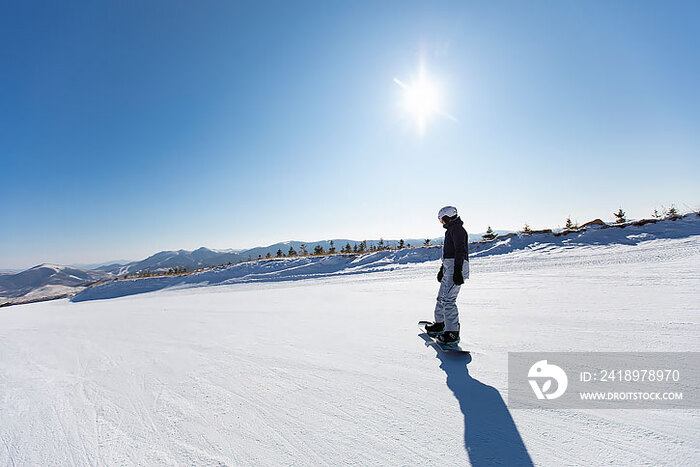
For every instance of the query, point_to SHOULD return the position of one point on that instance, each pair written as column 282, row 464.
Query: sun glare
column 421, row 100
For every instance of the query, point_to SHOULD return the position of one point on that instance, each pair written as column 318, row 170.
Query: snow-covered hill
column 323, row 266
column 46, row 280
column 32, row 284
column 206, row 257
column 164, row 260
column 284, row 269
column 331, row 370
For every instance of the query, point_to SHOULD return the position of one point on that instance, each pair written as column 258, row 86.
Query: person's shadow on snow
column 490, row 434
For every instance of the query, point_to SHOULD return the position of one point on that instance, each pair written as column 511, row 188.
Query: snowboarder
column 453, row 271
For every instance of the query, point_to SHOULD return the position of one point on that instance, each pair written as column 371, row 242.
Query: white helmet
column 449, row 211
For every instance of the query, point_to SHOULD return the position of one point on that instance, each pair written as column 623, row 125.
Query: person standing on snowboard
column 453, row 271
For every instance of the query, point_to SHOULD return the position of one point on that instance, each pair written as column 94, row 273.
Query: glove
column 440, row 273
column 459, row 280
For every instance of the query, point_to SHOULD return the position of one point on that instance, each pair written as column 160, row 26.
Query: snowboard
column 454, row 348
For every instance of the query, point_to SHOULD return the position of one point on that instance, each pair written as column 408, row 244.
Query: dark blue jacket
column 456, row 243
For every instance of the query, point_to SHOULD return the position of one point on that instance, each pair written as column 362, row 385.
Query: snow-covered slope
column 331, row 371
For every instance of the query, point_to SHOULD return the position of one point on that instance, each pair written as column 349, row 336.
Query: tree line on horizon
column 356, row 248
column 619, row 216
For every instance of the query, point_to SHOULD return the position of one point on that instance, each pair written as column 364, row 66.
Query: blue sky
column 132, row 127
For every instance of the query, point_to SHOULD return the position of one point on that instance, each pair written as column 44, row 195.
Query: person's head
column 447, row 214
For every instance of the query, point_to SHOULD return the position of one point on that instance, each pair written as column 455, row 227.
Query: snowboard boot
column 434, row 329
column 448, row 338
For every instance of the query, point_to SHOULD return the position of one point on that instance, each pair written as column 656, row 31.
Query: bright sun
column 421, row 100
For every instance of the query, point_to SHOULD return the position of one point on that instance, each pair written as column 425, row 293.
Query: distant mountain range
column 50, row 281
column 546, row 244
column 205, row 257
column 46, row 280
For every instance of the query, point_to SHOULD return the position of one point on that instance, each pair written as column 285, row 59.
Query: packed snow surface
column 331, row 370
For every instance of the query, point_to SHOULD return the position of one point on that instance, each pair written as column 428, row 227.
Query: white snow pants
column 446, row 306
